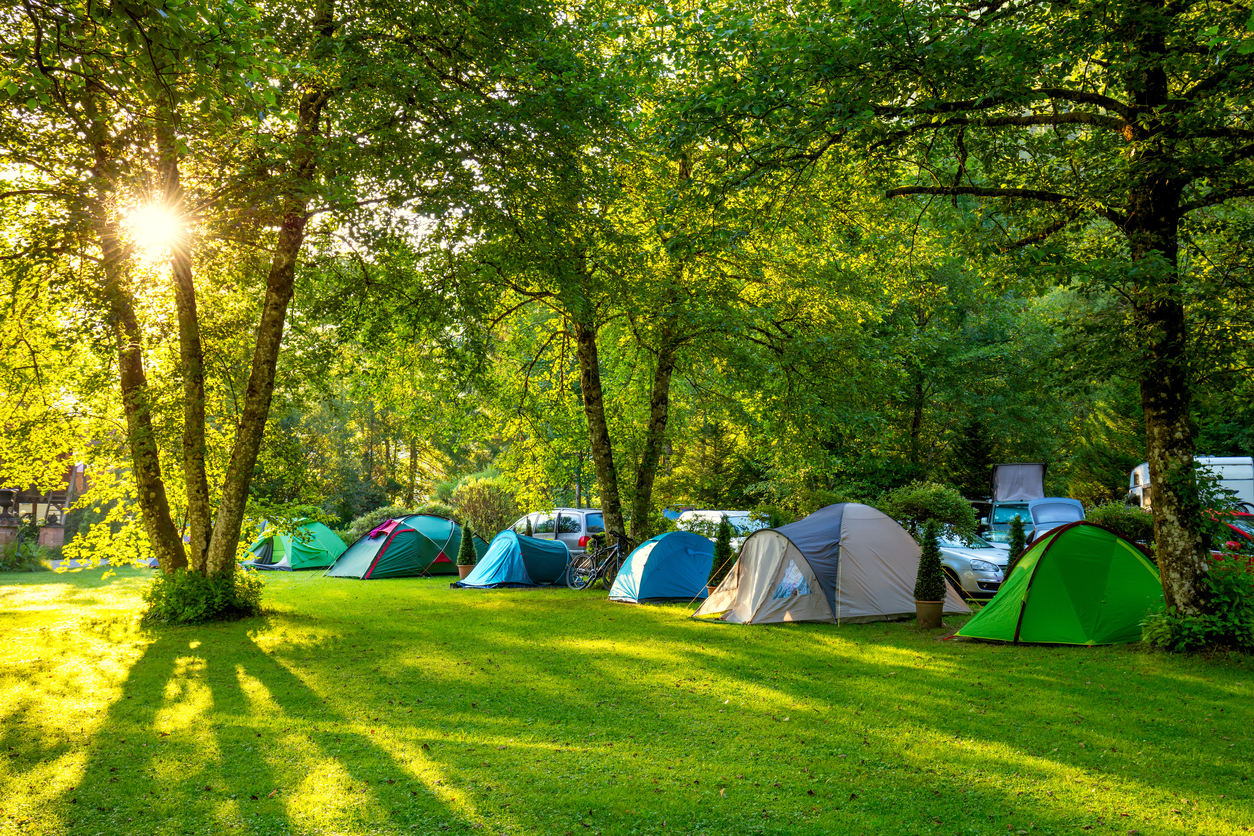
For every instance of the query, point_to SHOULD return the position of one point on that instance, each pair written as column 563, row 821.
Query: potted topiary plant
column 723, row 557
column 929, row 585
column 466, row 553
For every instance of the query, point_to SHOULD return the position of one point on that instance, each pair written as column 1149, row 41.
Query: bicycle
column 602, row 563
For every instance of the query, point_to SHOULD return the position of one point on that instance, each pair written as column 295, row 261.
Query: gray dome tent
column 844, row 563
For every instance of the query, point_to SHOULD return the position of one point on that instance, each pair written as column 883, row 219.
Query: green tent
column 311, row 546
column 1079, row 584
column 413, row 546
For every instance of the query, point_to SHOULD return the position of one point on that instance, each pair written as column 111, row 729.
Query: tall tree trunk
column 916, row 417
column 150, row 490
column 413, row 470
column 191, row 353
column 598, row 427
column 655, row 436
column 1152, row 229
column 280, row 284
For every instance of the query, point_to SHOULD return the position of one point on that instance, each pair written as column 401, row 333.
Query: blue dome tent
column 514, row 559
column 669, row 567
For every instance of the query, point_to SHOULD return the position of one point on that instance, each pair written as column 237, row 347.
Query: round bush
column 1128, row 521
column 183, row 597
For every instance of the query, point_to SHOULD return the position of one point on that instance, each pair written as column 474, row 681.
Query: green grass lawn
column 406, row 707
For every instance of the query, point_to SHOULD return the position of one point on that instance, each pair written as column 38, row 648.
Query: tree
column 724, row 557
column 929, row 583
column 1017, row 544
column 1120, row 120
column 229, row 118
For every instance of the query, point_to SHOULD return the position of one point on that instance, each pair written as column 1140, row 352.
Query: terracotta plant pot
column 928, row 613
column 464, row 570
column 709, row 590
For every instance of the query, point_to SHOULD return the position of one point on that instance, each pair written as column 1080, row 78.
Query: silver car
column 576, row 527
column 974, row 566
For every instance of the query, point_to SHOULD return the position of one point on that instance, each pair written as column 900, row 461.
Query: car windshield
column 1006, row 513
column 1245, row 524
column 1056, row 512
column 745, row 524
column 595, row 523
column 951, row 539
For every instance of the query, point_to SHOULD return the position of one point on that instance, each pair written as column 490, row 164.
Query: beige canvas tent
column 843, row 563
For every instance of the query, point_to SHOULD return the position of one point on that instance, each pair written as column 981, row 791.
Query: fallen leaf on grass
column 273, row 793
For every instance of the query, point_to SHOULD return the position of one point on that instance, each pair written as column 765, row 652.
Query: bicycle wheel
column 611, row 571
column 581, row 573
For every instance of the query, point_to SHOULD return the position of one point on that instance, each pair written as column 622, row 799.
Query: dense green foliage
column 25, row 557
column 919, row 503
column 724, row 557
column 929, row 583
column 486, row 504
column 1228, row 622
column 183, row 597
column 1128, row 521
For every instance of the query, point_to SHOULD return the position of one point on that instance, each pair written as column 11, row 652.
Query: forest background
column 710, row 254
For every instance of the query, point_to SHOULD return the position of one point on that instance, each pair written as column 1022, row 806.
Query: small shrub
column 486, row 503
column 1128, row 521
column 723, row 556
column 1228, row 619
column 23, row 557
column 183, row 597
column 466, row 551
column 1018, row 544
column 529, row 531
column 438, row 509
column 773, row 515
column 914, row 504
column 929, row 583
column 366, row 523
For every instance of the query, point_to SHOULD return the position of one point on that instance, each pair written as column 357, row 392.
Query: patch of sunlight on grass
column 402, row 707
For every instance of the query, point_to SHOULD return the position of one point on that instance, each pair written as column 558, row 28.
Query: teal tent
column 311, row 546
column 669, row 567
column 514, row 559
column 407, row 547
column 1078, row 584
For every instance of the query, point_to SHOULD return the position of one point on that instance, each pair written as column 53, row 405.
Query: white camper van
column 1236, row 473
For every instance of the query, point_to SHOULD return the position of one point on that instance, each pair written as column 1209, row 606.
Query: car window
column 1244, row 525
column 520, row 527
column 951, row 541
column 1006, row 513
column 543, row 524
column 595, row 523
column 566, row 524
column 1056, row 512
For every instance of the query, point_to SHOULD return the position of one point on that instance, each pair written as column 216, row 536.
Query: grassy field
column 406, row 707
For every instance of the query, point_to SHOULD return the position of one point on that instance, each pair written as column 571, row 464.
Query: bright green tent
column 413, row 546
column 1079, row 584
column 311, row 546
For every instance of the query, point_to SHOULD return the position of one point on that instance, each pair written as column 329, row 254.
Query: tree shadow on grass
column 886, row 711
column 211, row 734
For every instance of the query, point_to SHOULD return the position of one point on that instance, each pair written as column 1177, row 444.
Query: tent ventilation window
column 792, row 584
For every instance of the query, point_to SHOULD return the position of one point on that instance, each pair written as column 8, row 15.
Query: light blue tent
column 670, row 567
column 516, row 560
